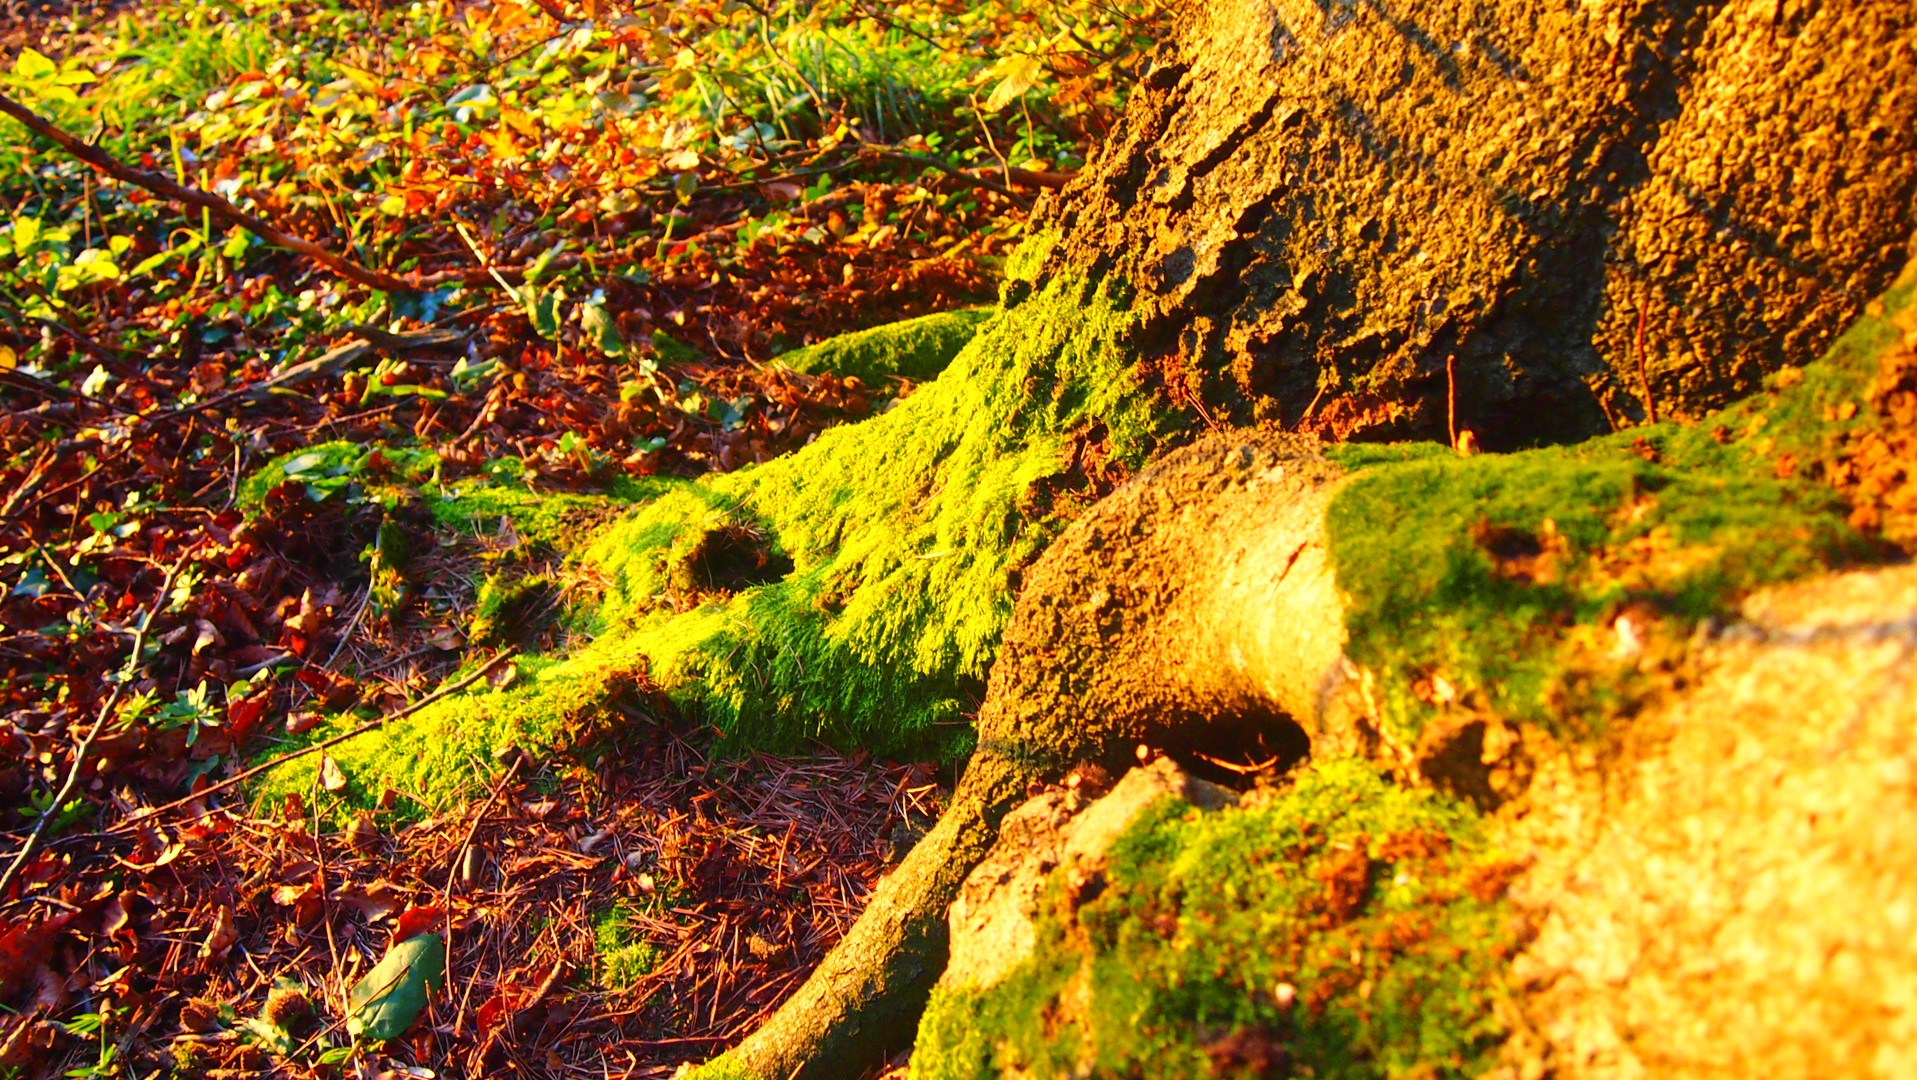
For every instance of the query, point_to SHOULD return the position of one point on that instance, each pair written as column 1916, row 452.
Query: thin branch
column 108, row 165
column 99, row 725
column 371, row 725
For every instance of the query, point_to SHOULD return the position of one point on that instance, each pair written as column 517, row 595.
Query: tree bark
column 1593, row 213
column 1366, row 220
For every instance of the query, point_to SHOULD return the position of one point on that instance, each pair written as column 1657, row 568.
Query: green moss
column 621, row 959
column 916, row 348
column 503, row 604
column 1452, row 571
column 1503, row 574
column 904, row 533
column 436, row 754
column 557, row 519
column 1379, row 906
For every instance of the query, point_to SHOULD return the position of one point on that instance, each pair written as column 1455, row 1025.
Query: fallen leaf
column 502, row 676
column 376, row 901
column 417, row 920
column 389, row 998
column 362, row 834
column 223, row 935
column 331, row 776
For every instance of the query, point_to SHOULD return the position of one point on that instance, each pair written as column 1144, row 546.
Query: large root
column 1193, row 610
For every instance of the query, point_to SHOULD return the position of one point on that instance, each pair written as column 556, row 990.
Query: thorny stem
column 99, row 725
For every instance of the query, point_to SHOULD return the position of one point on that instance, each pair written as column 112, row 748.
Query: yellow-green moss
column 621, row 958
column 916, row 348
column 904, row 532
column 1379, row 907
column 1672, row 523
column 430, row 757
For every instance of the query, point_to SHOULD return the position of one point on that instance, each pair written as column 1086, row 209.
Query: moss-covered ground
column 904, row 536
column 1344, row 926
column 1496, row 583
column 918, row 348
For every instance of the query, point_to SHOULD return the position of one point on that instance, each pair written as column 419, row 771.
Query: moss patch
column 1346, row 926
column 1495, row 583
column 916, row 348
column 904, row 535
column 620, row 958
column 885, row 558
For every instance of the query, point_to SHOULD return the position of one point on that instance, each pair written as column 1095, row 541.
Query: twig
column 479, row 275
column 370, row 725
column 954, row 171
column 34, row 476
column 1451, row 396
column 459, row 856
column 99, row 725
column 1644, row 371
column 108, row 165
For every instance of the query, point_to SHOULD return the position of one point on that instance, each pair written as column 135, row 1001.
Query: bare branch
column 108, row 165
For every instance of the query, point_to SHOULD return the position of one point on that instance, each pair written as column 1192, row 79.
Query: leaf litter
column 608, row 278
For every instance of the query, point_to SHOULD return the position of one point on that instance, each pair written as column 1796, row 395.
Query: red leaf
column 416, row 921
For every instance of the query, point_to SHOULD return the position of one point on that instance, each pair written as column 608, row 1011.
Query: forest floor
column 617, row 220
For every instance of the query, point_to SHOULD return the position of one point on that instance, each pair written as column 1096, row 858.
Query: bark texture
column 1739, row 900
column 1586, row 214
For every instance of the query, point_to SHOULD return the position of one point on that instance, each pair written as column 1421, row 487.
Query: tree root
column 1194, row 610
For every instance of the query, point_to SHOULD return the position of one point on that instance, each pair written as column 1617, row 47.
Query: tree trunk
column 1593, row 214
column 1531, row 220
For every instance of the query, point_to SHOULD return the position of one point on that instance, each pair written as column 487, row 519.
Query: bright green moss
column 1378, row 906
column 621, row 959
column 556, row 519
column 1452, row 572
column 916, row 348
column 903, row 533
column 439, row 752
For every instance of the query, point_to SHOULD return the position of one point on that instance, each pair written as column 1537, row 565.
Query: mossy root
column 1192, row 610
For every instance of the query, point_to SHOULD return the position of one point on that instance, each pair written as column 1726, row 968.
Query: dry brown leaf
column 223, row 934
column 331, row 776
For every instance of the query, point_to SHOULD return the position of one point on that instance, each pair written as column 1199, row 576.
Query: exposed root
column 1193, row 610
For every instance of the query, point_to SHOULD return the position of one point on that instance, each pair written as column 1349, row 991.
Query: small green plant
column 622, row 961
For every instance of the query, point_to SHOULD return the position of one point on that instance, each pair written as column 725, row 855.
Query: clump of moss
column 904, row 535
column 621, row 959
column 505, row 606
column 1495, row 583
column 916, row 348
column 891, row 550
column 1343, row 927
